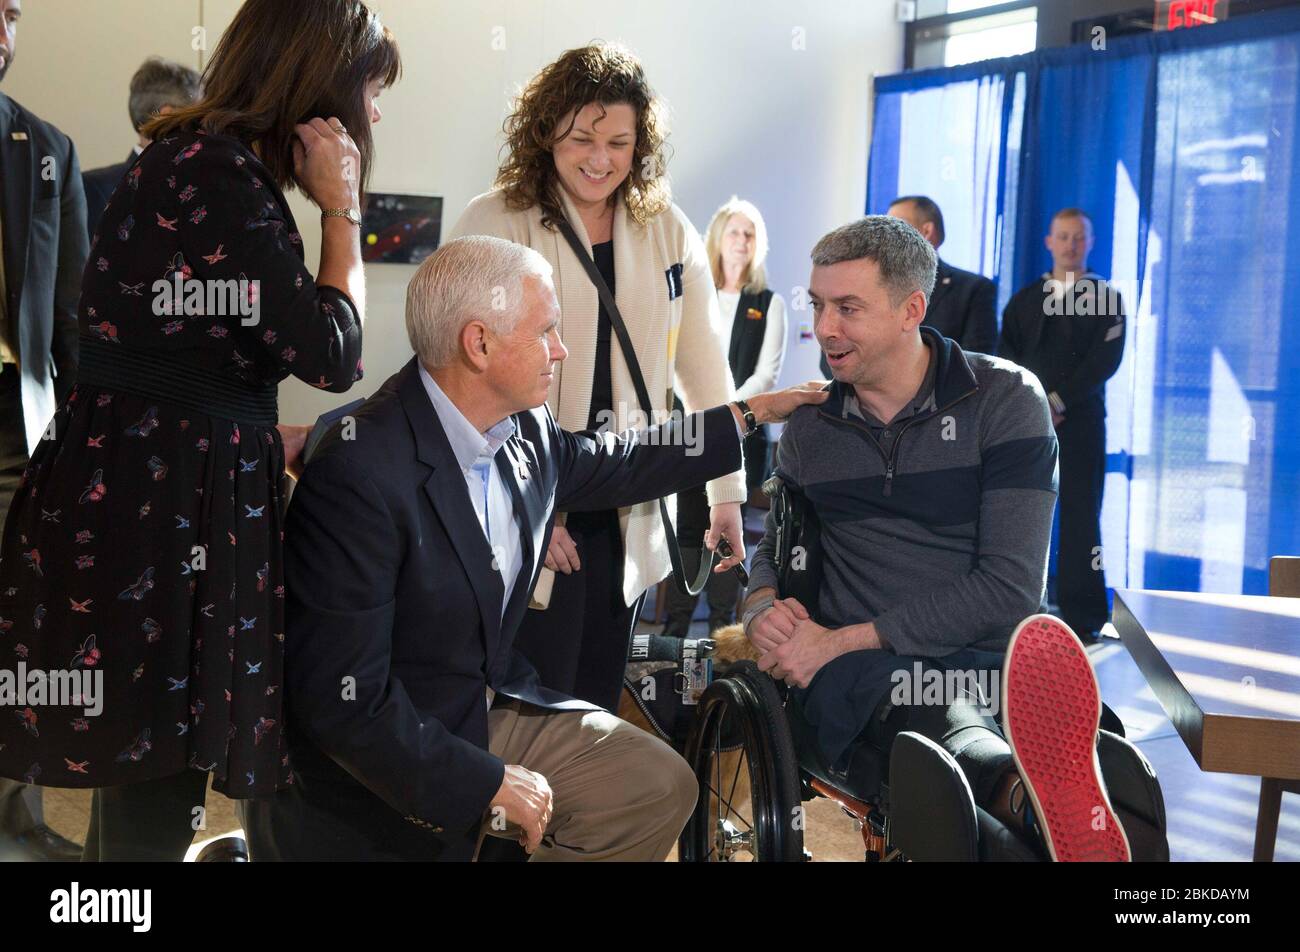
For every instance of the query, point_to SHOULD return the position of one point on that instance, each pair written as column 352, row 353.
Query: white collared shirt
column 476, row 455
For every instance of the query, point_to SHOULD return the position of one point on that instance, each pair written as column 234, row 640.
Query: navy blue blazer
column 395, row 625
column 964, row 308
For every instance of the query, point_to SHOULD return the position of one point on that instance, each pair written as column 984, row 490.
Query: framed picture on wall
column 400, row 229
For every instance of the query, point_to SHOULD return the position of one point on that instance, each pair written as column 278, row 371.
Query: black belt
column 114, row 367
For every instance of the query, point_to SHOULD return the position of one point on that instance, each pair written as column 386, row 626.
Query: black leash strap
column 642, row 395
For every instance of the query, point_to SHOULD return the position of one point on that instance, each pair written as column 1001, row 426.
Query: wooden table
column 1226, row 670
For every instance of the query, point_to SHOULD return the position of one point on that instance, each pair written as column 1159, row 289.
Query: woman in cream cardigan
column 586, row 142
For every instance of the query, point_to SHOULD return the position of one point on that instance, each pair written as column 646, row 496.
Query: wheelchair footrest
column 932, row 810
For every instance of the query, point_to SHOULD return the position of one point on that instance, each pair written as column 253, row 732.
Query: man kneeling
column 933, row 474
column 413, row 540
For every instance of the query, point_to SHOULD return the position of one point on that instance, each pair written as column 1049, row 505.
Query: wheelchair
column 757, row 762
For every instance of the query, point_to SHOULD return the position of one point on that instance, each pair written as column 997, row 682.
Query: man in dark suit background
column 1068, row 328
column 158, row 87
column 43, row 232
column 414, row 538
column 963, row 305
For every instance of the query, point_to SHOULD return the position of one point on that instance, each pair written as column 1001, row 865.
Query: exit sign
column 1176, row 14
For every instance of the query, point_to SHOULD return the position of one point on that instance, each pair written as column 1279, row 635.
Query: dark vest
column 747, row 332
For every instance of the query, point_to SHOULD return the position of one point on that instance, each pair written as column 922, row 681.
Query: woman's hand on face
column 326, row 163
column 294, row 439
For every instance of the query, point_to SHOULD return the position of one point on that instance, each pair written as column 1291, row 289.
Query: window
column 981, row 39
column 959, row 34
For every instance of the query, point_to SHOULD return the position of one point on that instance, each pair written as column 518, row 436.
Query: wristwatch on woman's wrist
column 351, row 214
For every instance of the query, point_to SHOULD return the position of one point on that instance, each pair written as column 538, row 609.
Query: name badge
column 674, row 276
column 18, row 136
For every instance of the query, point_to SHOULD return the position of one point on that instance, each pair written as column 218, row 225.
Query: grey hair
column 157, row 83
column 906, row 260
column 470, row 278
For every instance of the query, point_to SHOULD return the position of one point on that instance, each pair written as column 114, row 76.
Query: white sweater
column 674, row 340
column 770, row 355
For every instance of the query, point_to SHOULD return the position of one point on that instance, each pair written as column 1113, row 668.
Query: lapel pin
column 18, row 136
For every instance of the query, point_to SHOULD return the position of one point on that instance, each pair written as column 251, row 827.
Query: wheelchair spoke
column 735, row 777
column 731, row 811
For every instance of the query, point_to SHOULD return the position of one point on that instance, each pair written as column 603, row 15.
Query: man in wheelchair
column 932, row 475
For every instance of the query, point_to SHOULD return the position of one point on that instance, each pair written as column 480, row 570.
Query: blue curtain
column 1182, row 147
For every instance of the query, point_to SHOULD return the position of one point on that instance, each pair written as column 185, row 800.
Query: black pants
column 722, row 592
column 579, row 643
column 1080, row 581
column 20, row 804
column 972, row 737
column 152, row 821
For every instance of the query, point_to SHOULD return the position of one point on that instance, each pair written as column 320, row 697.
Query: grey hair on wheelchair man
column 933, row 474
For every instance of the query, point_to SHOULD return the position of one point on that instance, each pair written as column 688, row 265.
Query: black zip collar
column 954, row 381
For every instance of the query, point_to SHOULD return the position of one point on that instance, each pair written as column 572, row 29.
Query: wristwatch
column 748, row 414
column 351, row 214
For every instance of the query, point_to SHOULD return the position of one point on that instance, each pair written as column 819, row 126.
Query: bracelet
column 753, row 612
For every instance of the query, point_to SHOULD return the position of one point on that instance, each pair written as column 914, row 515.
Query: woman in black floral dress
column 145, row 540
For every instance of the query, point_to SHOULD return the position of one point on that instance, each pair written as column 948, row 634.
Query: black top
column 1073, row 344
column 602, row 385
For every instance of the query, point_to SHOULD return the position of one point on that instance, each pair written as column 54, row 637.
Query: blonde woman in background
column 585, row 144
column 753, row 329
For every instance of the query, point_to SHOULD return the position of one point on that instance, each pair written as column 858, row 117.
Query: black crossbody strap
column 643, row 396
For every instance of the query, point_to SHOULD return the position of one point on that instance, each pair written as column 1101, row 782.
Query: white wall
column 769, row 99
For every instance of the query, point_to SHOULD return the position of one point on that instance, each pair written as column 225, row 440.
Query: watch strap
column 750, row 420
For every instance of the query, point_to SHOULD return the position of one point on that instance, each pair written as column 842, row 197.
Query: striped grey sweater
column 945, row 546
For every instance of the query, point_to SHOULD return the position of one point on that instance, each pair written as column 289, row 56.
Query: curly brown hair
column 604, row 73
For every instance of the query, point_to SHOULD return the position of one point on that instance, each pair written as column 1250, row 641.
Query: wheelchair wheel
column 740, row 749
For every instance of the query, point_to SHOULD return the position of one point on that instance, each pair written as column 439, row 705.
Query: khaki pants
column 619, row 793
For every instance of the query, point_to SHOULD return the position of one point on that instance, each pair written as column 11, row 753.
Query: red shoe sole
column 1051, row 707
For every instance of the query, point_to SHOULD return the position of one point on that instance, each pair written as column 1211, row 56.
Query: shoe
column 227, row 849
column 1051, row 707
column 43, row 845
